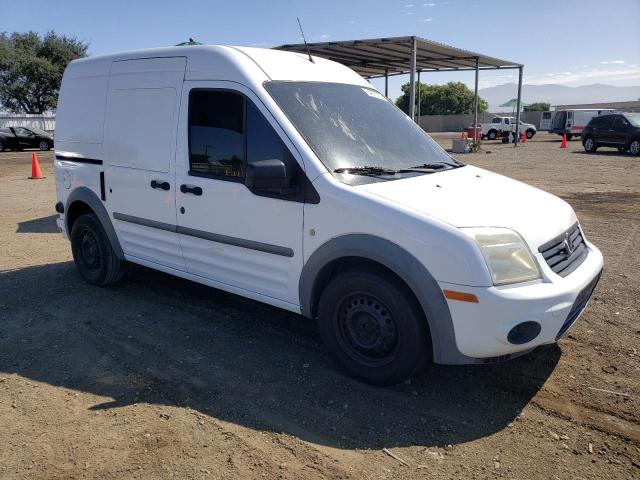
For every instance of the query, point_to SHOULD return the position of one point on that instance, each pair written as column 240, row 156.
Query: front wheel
column 634, row 147
column 590, row 145
column 44, row 146
column 93, row 255
column 530, row 133
column 373, row 327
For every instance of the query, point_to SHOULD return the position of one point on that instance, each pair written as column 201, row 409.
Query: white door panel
column 228, row 233
column 139, row 144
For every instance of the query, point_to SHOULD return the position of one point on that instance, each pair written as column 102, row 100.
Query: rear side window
column 605, row 121
column 496, row 120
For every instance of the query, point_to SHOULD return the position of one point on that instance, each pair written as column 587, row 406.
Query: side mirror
column 267, row 175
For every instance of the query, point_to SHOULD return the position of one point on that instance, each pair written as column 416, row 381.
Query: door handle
column 160, row 185
column 193, row 189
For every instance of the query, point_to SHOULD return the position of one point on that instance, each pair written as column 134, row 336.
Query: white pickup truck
column 500, row 125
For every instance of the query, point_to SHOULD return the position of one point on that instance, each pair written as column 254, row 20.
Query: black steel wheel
column 93, row 255
column 373, row 327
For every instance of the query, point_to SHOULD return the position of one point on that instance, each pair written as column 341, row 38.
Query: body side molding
column 407, row 267
column 213, row 237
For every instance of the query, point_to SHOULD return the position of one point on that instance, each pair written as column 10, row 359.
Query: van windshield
column 351, row 127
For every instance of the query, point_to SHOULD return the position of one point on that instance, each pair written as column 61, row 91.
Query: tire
column 373, row 327
column 1, row 147
column 569, row 136
column 93, row 255
column 634, row 147
column 530, row 133
column 44, row 146
column 492, row 134
column 590, row 145
column 622, row 149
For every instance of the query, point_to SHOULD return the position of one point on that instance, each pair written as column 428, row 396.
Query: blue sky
column 570, row 42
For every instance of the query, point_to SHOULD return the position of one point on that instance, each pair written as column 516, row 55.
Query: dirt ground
column 158, row 377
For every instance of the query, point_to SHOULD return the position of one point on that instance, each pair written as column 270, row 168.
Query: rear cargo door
column 143, row 102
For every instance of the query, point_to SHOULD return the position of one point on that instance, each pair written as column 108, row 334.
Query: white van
column 572, row 122
column 295, row 183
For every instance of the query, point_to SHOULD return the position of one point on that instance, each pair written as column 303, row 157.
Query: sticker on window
column 373, row 93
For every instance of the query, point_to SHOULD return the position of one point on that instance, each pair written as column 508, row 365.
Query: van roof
column 242, row 64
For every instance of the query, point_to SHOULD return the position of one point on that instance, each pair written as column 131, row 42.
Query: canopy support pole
column 517, row 139
column 475, row 103
column 386, row 82
column 412, row 81
column 418, row 107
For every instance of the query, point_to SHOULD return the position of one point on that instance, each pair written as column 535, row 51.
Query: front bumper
column 555, row 303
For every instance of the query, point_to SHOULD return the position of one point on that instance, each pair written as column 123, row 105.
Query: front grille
column 565, row 252
column 579, row 305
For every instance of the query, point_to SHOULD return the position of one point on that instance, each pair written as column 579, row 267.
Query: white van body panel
column 123, row 118
column 139, row 147
column 446, row 196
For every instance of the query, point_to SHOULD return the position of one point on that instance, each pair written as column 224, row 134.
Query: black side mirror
column 268, row 175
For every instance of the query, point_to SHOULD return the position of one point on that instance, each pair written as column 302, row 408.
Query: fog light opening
column 524, row 332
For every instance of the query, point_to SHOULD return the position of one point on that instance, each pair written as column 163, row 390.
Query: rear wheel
column 373, row 327
column 530, row 133
column 569, row 136
column 492, row 134
column 590, row 145
column 622, row 149
column 634, row 147
column 93, row 255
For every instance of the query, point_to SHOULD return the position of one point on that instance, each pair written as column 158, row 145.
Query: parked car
column 19, row 138
column 620, row 130
column 500, row 125
column 572, row 122
column 299, row 185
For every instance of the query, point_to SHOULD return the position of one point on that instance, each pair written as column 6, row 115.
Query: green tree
column 31, row 69
column 537, row 107
column 450, row 99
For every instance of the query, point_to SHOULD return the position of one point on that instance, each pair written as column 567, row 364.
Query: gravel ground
column 158, row 377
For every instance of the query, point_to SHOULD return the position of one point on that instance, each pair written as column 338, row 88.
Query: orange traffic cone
column 564, row 141
column 462, row 136
column 524, row 137
column 36, row 173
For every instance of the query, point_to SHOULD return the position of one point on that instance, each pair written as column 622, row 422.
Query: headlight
column 507, row 256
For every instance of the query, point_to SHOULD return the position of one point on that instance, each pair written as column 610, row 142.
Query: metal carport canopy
column 383, row 57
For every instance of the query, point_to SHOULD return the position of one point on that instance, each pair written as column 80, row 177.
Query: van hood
column 473, row 197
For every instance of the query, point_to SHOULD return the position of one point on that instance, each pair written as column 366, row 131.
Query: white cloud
column 428, row 4
column 608, row 62
column 618, row 75
column 426, row 20
column 325, row 36
column 409, row 5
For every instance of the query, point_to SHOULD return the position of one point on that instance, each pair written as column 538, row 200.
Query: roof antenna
column 305, row 41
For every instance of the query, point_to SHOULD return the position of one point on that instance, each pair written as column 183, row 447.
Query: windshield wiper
column 430, row 166
column 365, row 170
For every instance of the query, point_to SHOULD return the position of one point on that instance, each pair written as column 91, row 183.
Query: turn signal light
column 461, row 296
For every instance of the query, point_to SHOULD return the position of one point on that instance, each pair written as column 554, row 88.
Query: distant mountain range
column 557, row 94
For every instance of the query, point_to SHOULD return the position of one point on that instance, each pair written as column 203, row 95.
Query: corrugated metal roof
column 377, row 56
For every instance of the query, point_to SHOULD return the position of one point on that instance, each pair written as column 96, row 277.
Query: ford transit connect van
column 295, row 183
